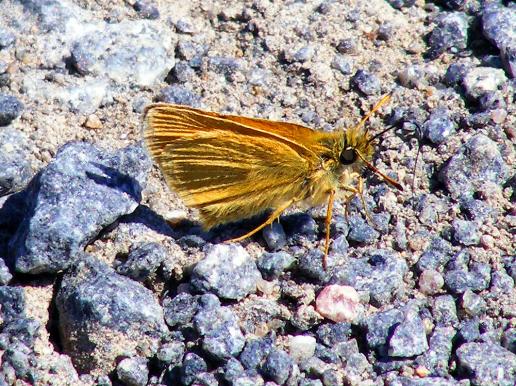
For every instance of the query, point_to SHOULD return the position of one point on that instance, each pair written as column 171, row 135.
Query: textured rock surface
column 159, row 300
column 82, row 191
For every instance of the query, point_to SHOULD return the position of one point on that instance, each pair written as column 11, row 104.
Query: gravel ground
column 108, row 279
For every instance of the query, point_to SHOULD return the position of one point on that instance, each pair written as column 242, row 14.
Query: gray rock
column 475, row 279
column 5, row 274
column 183, row 73
column 218, row 326
column 477, row 162
column 131, row 52
column 143, row 261
column 16, row 169
column 456, row 73
column 332, row 334
column 439, row 126
column 508, row 56
column 477, row 209
column 498, row 25
column 469, row 330
column 82, row 190
column 489, row 364
column 444, row 311
column 379, row 273
column 466, row 232
column 272, row 265
column 409, row 337
column 366, row 83
column 450, row 34
column 310, row 264
column 193, row 364
column 10, row 109
column 473, row 304
column 509, row 340
column 480, row 80
column 435, row 256
column 20, row 357
column 429, row 381
column 22, row 329
column 275, row 237
column 361, row 232
column 437, row 358
column 95, row 304
column 501, row 282
column 180, row 309
column 255, row 352
column 227, row 66
column 6, row 39
column 379, row 328
column 12, row 303
column 343, row 64
column 399, row 4
column 146, row 9
column 179, row 95
column 228, row 271
column 133, row 371
column 171, row 353
column 232, row 370
column 277, row 366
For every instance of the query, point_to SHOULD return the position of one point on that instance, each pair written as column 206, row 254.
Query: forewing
column 227, row 169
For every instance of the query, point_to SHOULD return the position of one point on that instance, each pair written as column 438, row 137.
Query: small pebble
column 143, row 261
column 343, row 64
column 455, row 73
column 473, row 304
column 430, row 282
column 6, row 39
column 444, row 310
column 488, row 363
column 146, row 9
column 228, row 271
column 10, row 109
column 365, row 82
column 347, row 46
column 439, row 126
column 180, row 309
column 193, row 364
column 399, row 4
column 171, row 353
column 480, row 80
column 409, row 337
column 5, row 274
column 93, row 122
column 450, row 34
column 331, row 334
column 255, row 351
column 466, row 232
column 180, row 95
column 361, row 232
column 338, row 303
column 133, row 371
column 277, row 366
column 272, row 265
column 469, row 330
column 301, row 347
column 275, row 237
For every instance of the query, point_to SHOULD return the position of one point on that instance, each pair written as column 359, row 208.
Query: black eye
column 348, row 156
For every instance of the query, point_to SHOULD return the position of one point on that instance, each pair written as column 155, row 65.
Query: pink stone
column 339, row 303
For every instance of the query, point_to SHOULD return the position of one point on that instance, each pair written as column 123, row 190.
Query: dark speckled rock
column 379, row 273
column 489, row 363
column 95, row 305
column 82, row 190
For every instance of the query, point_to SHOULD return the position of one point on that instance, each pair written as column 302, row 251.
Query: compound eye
column 348, row 156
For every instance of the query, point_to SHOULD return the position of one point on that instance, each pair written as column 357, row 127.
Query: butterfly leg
column 329, row 212
column 277, row 212
column 358, row 191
